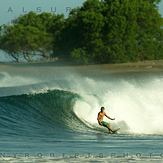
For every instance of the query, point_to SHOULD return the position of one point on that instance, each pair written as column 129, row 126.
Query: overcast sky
column 10, row 9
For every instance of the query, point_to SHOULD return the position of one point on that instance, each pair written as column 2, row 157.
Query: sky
column 161, row 7
column 10, row 9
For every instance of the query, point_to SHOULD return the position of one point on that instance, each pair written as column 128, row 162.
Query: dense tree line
column 100, row 31
column 31, row 35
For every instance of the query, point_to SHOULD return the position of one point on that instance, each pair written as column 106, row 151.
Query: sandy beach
column 152, row 66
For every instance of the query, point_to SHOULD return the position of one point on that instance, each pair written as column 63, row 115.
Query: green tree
column 112, row 31
column 20, row 41
column 100, row 31
column 83, row 30
column 149, row 30
column 80, row 56
column 31, row 35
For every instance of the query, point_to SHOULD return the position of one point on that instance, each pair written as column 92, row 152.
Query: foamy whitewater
column 46, row 109
column 138, row 106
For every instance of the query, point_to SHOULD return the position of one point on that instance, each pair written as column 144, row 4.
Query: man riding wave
column 100, row 117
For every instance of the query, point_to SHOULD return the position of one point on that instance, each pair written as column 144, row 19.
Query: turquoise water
column 49, row 114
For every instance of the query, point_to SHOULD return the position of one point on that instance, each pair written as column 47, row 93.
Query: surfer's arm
column 99, row 122
column 109, row 117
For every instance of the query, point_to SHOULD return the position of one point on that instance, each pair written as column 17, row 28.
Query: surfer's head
column 102, row 109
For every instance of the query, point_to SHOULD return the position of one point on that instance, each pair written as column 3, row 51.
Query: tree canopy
column 30, row 35
column 100, row 31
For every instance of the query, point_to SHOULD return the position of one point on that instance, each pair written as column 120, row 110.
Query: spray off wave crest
column 136, row 105
column 135, row 102
column 139, row 106
column 7, row 80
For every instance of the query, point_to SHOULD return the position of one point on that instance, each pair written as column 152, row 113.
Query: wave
column 70, row 104
column 136, row 104
column 38, row 114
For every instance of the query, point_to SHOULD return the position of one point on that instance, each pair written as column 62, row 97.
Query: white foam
column 137, row 108
column 7, row 80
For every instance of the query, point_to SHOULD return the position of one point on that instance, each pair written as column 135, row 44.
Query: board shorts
column 105, row 124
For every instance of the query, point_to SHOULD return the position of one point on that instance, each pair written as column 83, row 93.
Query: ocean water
column 48, row 114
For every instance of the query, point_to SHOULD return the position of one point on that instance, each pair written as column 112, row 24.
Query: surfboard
column 115, row 131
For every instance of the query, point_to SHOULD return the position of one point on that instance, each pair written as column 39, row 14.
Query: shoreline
column 153, row 65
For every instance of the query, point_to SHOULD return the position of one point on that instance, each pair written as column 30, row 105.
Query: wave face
column 50, row 103
column 38, row 114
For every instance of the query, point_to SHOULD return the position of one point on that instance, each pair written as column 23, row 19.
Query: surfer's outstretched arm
column 109, row 117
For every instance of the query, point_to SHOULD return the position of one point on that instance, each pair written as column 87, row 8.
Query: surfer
column 100, row 117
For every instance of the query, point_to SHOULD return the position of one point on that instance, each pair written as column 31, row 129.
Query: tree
column 20, row 41
column 30, row 35
column 80, row 56
column 112, row 31
column 83, row 30
column 100, row 31
column 149, row 30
